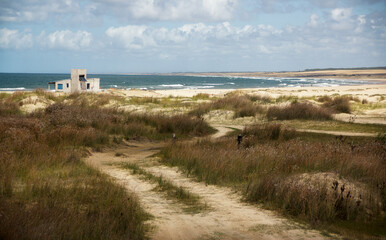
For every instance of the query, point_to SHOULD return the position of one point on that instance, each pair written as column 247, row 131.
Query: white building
column 78, row 83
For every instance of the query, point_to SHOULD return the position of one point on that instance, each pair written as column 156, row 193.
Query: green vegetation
column 201, row 96
column 334, row 126
column 326, row 181
column 192, row 201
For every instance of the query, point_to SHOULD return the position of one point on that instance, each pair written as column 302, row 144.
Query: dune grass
column 325, row 181
column 338, row 104
column 191, row 201
column 297, row 110
column 47, row 192
column 242, row 105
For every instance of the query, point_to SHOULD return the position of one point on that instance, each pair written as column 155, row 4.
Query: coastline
column 375, row 75
column 365, row 91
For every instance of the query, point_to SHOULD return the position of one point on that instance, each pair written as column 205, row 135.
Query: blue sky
column 146, row 36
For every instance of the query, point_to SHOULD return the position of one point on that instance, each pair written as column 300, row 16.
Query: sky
column 159, row 36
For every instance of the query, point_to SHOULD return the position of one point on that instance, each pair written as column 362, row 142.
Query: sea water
column 30, row 81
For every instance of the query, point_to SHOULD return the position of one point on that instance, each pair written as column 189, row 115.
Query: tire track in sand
column 228, row 217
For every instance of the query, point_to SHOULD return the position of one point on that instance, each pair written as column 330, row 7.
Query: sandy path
column 227, row 217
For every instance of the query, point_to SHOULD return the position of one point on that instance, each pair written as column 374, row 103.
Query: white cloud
column 26, row 11
column 342, row 19
column 361, row 20
column 314, row 20
column 66, row 39
column 134, row 37
column 14, row 39
column 171, row 10
column 341, row 14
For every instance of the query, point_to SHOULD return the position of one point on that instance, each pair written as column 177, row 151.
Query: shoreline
column 368, row 91
column 305, row 91
column 377, row 75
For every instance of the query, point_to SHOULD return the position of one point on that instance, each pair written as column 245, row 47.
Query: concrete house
column 78, row 83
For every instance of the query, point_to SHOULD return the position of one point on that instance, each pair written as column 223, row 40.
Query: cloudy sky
column 144, row 36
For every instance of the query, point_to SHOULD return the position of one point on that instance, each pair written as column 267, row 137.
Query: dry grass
column 201, row 96
column 47, row 192
column 191, row 201
column 298, row 110
column 339, row 104
column 269, row 166
column 240, row 104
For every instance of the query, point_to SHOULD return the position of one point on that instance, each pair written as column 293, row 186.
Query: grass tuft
column 298, row 110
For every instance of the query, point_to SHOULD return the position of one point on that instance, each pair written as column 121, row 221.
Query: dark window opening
column 88, row 85
column 68, row 85
column 82, row 78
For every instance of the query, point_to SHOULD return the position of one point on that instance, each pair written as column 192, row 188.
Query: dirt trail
column 224, row 129
column 227, row 217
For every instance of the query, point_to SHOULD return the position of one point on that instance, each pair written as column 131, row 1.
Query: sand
column 371, row 92
column 227, row 216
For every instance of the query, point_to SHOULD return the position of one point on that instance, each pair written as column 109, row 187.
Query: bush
column 338, row 105
column 241, row 105
column 297, row 176
column 201, row 96
column 298, row 111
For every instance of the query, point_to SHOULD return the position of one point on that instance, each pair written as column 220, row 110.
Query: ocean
column 30, row 81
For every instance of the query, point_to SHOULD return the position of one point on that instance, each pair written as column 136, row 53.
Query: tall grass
column 318, row 181
column 242, row 105
column 339, row 104
column 47, row 192
column 297, row 110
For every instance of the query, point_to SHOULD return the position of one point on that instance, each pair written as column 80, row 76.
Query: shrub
column 298, row 111
column 259, row 98
column 248, row 111
column 8, row 108
column 338, row 105
column 296, row 176
column 241, row 105
column 201, row 96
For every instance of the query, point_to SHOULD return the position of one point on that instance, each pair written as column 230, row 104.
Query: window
column 88, row 85
column 60, row 86
column 68, row 85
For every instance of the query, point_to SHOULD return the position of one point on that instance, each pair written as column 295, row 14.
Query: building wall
column 63, row 85
column 75, row 83
column 94, row 84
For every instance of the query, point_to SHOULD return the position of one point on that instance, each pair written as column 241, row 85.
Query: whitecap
column 12, row 89
column 199, row 87
column 171, row 85
column 215, row 84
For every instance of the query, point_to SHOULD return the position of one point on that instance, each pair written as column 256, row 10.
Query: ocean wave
column 12, row 89
column 198, row 87
column 215, row 84
column 171, row 85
